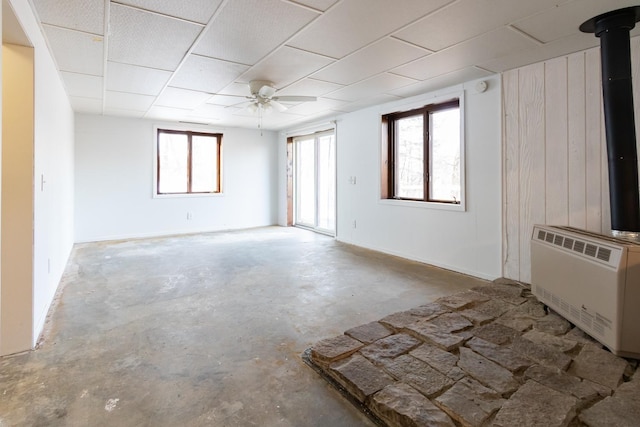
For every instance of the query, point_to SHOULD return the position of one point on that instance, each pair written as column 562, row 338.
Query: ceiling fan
column 263, row 97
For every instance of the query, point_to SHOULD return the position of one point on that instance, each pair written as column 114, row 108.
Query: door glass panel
column 326, row 182
column 306, row 189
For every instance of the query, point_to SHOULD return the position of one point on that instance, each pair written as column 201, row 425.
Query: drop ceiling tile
column 317, row 4
column 445, row 80
column 247, row 30
column 494, row 44
column 310, row 108
column 211, row 112
column 355, row 23
column 235, row 89
column 66, row 44
column 369, row 102
column 193, row 10
column 166, row 113
column 83, row 85
column 86, row 105
column 128, row 101
column 309, row 87
column 371, row 87
column 135, row 79
column 226, row 100
column 564, row 20
column 81, row 15
column 123, row 113
column 181, row 98
column 557, row 48
column 149, row 40
column 373, row 59
column 207, row 74
column 286, row 66
column 466, row 19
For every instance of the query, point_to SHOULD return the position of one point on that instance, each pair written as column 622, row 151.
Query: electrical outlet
column 189, row 216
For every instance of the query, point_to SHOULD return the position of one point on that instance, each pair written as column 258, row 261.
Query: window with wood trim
column 188, row 162
column 422, row 154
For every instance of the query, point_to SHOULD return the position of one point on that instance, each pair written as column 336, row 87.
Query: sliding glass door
column 315, row 181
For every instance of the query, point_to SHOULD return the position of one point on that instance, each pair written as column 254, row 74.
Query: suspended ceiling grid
column 192, row 60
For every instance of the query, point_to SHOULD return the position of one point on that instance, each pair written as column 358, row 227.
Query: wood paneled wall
column 554, row 151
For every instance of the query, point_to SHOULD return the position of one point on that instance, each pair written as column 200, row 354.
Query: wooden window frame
column 388, row 150
column 190, row 135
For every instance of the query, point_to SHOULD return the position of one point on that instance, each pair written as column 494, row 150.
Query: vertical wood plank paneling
column 593, row 148
column 576, row 131
column 547, row 136
column 511, row 168
column 556, row 145
column 532, row 159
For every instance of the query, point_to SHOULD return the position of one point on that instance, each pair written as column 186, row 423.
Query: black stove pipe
column 613, row 30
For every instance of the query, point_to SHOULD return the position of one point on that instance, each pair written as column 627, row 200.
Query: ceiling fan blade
column 294, row 98
column 279, row 107
column 266, row 91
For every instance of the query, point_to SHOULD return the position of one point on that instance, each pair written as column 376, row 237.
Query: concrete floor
column 207, row 330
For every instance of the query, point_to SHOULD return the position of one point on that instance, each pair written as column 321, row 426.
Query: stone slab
column 469, row 402
column 543, row 355
column 496, row 333
column 332, row 349
column 418, row 374
column 428, row 311
column 400, row 405
column 495, row 307
column 389, row 347
column 599, row 366
column 359, row 376
column 400, row 320
column 477, row 317
column 560, row 381
column 578, row 335
column 503, row 356
column 487, row 372
column 620, row 410
column 369, row 332
column 462, row 300
column 524, row 316
column 509, row 293
column 560, row 344
column 441, row 360
column 553, row 324
column 536, row 405
column 444, row 340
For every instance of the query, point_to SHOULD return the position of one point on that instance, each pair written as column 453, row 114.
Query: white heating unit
column 591, row 280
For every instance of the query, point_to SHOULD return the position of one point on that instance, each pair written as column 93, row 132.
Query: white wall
column 469, row 241
column 114, row 183
column 53, row 159
column 555, row 150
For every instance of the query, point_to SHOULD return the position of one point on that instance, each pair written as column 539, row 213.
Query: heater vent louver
column 588, row 249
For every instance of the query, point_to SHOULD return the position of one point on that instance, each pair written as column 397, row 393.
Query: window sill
column 187, row 196
column 424, row 205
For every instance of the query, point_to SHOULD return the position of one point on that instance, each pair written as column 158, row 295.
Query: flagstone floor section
column 490, row 356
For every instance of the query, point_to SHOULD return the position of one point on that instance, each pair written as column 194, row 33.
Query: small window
column 422, row 154
column 188, row 162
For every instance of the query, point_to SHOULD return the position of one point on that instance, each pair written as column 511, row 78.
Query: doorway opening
column 314, row 180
